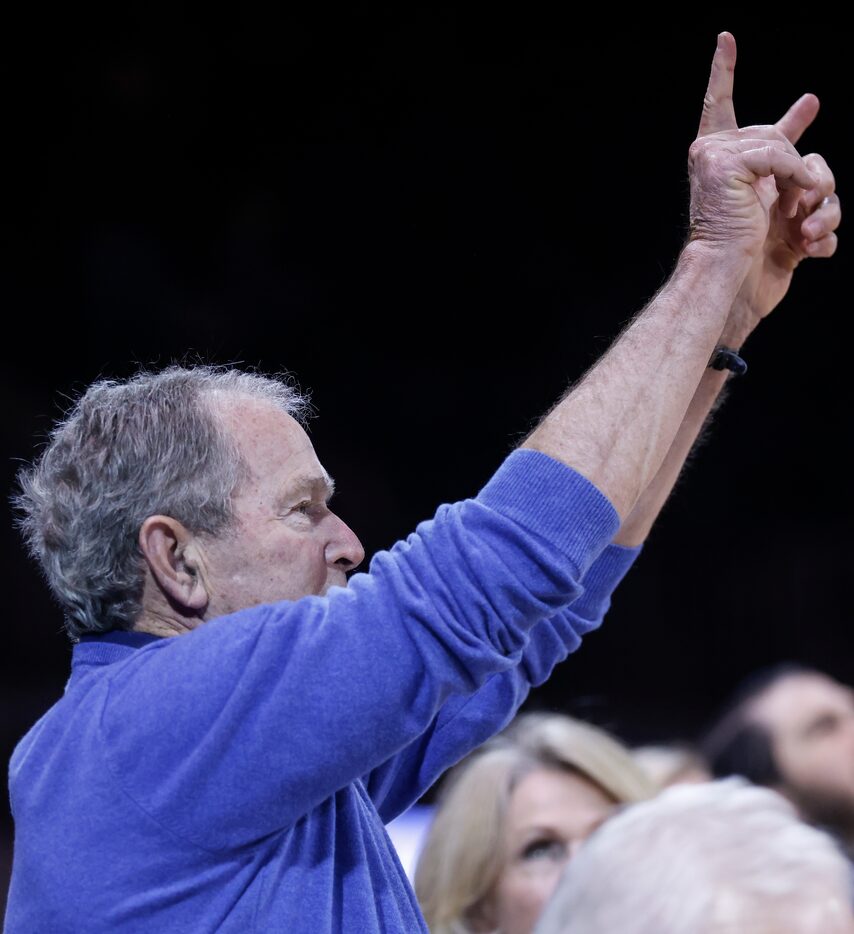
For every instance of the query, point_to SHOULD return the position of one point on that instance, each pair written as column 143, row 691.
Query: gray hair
column 128, row 450
column 717, row 856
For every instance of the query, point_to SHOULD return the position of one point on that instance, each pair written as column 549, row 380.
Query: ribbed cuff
column 555, row 502
column 610, row 568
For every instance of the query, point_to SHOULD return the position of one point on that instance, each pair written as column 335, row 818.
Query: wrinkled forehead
column 272, row 444
column 796, row 700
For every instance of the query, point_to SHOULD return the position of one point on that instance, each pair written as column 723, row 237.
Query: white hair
column 720, row 856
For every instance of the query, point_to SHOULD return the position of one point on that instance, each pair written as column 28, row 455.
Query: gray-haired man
column 237, row 778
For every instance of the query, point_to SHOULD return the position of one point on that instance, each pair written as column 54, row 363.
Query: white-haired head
column 716, row 857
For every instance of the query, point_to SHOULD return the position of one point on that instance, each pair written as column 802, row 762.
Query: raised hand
column 737, row 175
column 793, row 210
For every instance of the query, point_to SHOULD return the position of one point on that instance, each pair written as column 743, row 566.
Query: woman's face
column 550, row 813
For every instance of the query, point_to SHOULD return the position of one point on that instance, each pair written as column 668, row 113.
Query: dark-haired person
column 792, row 729
column 239, row 723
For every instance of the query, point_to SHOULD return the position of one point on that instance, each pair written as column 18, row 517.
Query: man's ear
column 171, row 552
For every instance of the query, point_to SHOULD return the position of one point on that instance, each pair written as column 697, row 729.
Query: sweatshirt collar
column 108, row 647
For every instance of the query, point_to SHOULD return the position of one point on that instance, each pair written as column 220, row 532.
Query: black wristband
column 724, row 358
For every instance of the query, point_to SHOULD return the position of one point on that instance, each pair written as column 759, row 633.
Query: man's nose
column 344, row 549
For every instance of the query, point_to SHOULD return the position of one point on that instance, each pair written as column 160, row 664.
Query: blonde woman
column 511, row 817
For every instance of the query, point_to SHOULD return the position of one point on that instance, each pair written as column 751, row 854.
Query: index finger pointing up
column 718, row 110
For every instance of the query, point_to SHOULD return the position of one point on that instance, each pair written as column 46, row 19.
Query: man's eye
column 304, row 508
column 545, row 849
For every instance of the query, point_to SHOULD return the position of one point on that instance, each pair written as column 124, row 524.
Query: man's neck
column 160, row 624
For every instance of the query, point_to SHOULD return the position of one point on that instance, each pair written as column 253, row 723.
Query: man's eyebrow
column 312, row 483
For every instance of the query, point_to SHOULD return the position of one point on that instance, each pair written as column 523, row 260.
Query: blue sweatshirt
column 237, row 778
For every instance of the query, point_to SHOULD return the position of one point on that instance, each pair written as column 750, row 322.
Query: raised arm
column 801, row 225
column 640, row 407
column 465, row 722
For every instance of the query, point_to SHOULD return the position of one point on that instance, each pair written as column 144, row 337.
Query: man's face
column 811, row 721
column 285, row 542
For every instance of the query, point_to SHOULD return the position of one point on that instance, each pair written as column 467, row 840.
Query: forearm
column 618, row 424
column 706, row 399
column 637, row 525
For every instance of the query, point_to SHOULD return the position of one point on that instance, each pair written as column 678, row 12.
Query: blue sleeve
column 242, row 726
column 465, row 722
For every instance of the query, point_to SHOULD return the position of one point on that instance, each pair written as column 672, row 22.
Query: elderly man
column 792, row 729
column 707, row 858
column 237, row 777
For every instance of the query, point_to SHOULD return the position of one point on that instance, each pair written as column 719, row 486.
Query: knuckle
column 696, row 149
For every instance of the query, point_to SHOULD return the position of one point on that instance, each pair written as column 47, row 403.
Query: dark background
column 436, row 221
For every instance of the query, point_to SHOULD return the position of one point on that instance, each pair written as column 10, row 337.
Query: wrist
column 740, row 325
column 711, row 279
column 725, row 260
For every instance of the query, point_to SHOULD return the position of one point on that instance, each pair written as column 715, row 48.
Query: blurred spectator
column 792, row 729
column 671, row 765
column 511, row 817
column 705, row 858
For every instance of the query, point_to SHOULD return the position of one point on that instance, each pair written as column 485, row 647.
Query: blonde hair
column 463, row 854
column 671, row 765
